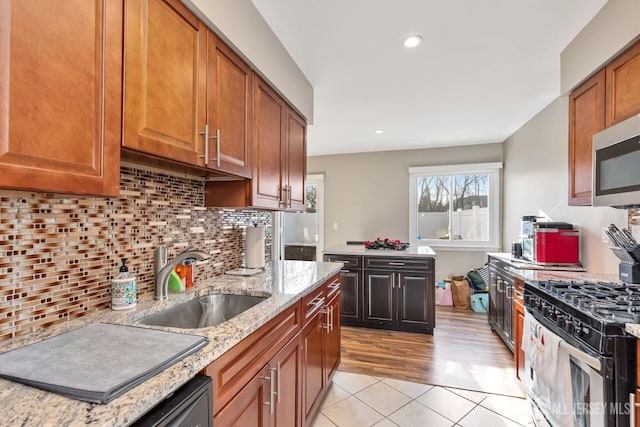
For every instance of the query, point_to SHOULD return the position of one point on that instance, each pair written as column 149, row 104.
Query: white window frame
column 493, row 171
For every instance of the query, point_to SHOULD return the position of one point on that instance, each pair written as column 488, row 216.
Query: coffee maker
column 527, row 225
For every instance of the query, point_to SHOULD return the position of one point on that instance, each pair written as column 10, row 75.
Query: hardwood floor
column 463, row 352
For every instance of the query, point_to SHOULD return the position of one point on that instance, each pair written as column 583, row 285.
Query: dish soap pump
column 123, row 289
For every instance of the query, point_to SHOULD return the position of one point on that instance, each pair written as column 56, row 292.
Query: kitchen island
column 288, row 282
column 386, row 288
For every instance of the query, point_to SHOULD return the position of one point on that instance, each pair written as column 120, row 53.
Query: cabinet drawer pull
column 397, row 263
column 341, row 260
column 316, row 301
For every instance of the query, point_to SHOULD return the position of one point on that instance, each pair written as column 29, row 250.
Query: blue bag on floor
column 480, row 302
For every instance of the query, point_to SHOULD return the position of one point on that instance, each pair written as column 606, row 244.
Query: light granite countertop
column 411, row 251
column 516, row 268
column 631, row 328
column 286, row 281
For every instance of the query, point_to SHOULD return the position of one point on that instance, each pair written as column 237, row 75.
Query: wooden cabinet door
column 288, row 366
column 312, row 366
column 623, row 86
column 380, row 299
column 164, row 80
column 518, row 353
column 332, row 348
column 416, row 300
column 250, row 407
column 351, row 296
column 268, row 154
column 61, row 95
column 229, row 88
column 586, row 117
column 296, row 161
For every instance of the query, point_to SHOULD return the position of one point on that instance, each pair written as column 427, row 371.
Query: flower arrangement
column 386, row 244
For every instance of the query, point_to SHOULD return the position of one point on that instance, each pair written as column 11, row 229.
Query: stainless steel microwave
column 616, row 165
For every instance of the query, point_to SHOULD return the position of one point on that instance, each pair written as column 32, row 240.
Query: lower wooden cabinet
column 321, row 346
column 278, row 375
column 518, row 325
column 248, row 407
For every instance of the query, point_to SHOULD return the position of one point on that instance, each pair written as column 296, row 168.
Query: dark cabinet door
column 380, row 298
column 493, row 299
column 415, row 299
column 351, row 297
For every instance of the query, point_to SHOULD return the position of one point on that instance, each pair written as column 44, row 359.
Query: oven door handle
column 633, row 405
column 582, row 356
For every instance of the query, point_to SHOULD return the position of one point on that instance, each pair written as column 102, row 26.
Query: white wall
column 367, row 195
column 536, row 182
column 609, row 32
column 240, row 25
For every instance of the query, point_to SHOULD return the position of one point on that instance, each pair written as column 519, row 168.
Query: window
column 455, row 206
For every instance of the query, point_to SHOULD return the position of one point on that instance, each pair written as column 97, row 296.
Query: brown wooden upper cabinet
column 187, row 95
column 623, row 86
column 586, row 117
column 229, row 86
column 278, row 157
column 61, row 94
column 610, row 96
column 164, row 80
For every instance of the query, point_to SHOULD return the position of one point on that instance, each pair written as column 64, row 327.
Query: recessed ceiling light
column 378, row 131
column 412, row 41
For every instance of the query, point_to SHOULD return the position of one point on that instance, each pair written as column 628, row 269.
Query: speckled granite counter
column 527, row 274
column 287, row 281
column 411, row 251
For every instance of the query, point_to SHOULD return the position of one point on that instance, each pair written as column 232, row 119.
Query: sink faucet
column 162, row 267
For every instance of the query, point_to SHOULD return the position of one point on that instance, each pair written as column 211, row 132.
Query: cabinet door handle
column 205, row 133
column 217, row 138
column 331, row 323
column 278, row 379
column 272, row 391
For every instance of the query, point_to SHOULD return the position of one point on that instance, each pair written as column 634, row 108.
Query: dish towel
column 542, row 347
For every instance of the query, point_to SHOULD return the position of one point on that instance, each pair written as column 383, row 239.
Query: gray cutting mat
column 98, row 362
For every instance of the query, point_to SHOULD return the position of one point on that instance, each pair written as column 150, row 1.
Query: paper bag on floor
column 461, row 292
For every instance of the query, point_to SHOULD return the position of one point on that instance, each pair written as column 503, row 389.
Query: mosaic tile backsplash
column 58, row 253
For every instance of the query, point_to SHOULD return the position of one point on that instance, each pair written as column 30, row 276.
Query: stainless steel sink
column 209, row 310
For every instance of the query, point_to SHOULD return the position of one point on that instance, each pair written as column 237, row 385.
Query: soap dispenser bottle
column 123, row 289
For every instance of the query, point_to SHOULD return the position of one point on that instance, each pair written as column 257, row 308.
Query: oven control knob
column 568, row 326
column 560, row 320
column 577, row 329
column 546, row 310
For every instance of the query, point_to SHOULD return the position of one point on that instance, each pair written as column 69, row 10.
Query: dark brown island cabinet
column 387, row 292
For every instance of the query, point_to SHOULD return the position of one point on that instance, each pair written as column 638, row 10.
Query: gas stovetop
column 591, row 312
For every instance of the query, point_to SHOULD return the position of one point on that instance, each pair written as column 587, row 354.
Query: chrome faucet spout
column 162, row 267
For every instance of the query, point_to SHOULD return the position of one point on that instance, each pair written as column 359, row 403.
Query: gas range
column 590, row 312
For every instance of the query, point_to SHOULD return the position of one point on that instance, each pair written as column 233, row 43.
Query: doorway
column 302, row 232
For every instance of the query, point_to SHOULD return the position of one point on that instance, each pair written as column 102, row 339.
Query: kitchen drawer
column 349, row 261
column 313, row 302
column 332, row 286
column 389, row 263
column 235, row 368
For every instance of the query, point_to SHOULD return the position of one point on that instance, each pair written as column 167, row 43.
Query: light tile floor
column 355, row 400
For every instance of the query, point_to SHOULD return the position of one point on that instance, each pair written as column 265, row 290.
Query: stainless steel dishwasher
column 190, row 405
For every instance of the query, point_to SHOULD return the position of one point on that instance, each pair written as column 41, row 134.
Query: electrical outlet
column 605, row 238
column 335, row 225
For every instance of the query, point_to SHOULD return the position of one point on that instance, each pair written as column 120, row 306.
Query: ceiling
column 484, row 69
